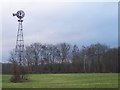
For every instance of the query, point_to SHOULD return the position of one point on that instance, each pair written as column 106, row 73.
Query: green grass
column 91, row 80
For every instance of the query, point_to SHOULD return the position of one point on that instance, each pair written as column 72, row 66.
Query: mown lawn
column 91, row 80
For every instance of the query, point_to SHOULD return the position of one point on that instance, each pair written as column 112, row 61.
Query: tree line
column 65, row 58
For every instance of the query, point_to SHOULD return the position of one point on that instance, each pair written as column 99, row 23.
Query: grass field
column 93, row 80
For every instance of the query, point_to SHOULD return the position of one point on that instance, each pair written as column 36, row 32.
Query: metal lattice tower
column 19, row 49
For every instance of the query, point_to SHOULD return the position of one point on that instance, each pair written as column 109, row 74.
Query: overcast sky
column 55, row 22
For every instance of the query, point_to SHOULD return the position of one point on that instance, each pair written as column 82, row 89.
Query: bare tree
column 61, row 58
column 19, row 72
column 64, row 52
